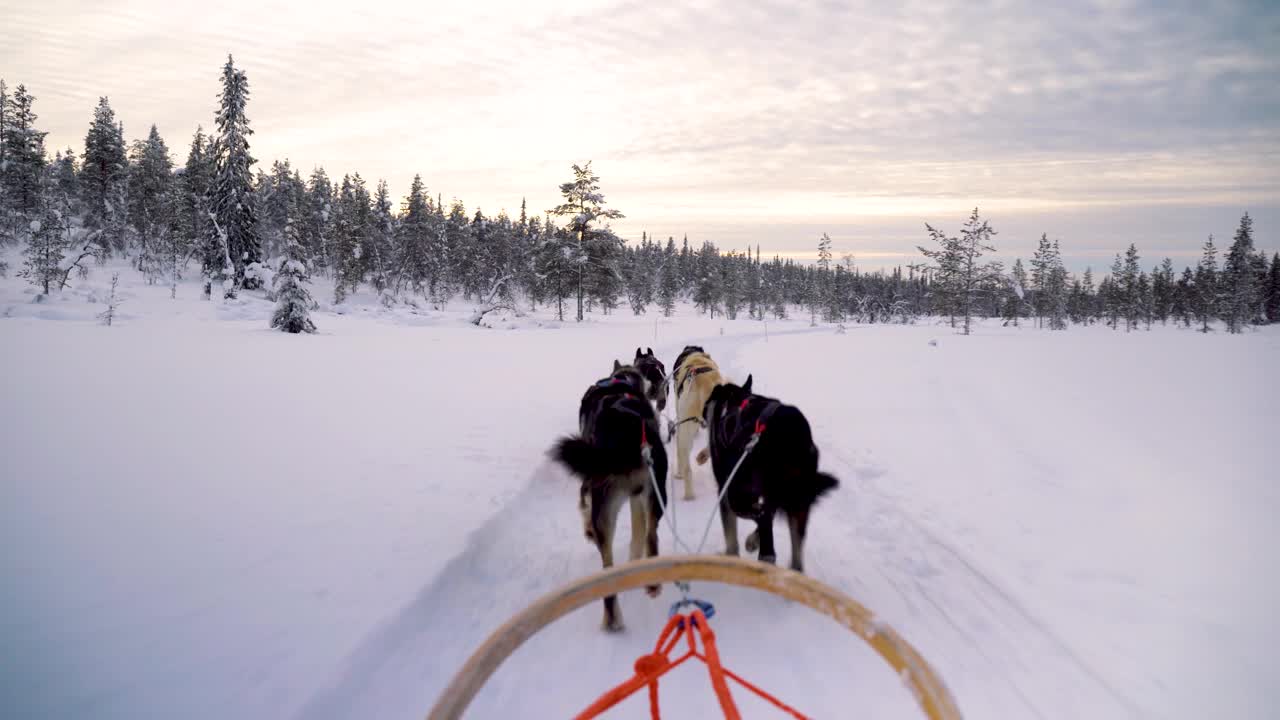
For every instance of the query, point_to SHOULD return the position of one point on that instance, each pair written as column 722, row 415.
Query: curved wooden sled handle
column 928, row 689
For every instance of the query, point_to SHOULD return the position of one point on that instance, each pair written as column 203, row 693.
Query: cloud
column 697, row 113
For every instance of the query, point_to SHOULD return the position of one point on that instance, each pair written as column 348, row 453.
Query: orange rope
column 649, row 668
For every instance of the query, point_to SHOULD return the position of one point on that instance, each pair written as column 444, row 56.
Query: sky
column 743, row 123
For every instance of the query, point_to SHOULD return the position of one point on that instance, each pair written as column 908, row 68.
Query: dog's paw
column 613, row 625
column 653, row 591
column 703, row 456
column 771, row 559
column 753, row 541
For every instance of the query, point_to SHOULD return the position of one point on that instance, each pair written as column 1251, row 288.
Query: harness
column 690, row 375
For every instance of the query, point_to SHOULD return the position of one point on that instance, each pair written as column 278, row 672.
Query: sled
column 923, row 682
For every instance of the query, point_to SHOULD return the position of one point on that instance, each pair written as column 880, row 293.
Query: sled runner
column 928, row 689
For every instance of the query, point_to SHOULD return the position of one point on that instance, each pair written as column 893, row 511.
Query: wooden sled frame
column 925, row 685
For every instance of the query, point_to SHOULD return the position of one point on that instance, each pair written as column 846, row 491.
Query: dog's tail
column 590, row 461
column 823, row 484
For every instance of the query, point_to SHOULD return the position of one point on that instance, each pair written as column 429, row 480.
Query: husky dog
column 695, row 375
column 655, row 377
column 616, row 421
column 779, row 474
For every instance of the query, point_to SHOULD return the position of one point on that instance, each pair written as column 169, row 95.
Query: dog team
column 619, row 457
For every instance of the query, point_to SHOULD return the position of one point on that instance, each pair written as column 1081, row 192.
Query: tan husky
column 694, row 377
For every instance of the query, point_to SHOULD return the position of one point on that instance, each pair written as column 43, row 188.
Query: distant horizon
column 1101, row 125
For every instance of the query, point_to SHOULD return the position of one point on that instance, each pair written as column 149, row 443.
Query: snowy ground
column 200, row 517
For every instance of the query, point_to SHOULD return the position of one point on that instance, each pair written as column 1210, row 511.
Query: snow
column 202, row 517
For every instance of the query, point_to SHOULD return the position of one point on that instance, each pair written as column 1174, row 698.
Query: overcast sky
column 740, row 122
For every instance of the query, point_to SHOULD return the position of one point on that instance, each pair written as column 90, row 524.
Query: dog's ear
column 638, row 353
column 649, row 350
column 746, row 386
column 616, row 365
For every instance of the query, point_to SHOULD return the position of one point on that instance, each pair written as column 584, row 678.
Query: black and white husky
column 616, row 421
column 779, row 475
column 655, row 377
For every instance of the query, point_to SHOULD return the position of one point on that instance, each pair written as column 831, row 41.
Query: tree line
column 274, row 229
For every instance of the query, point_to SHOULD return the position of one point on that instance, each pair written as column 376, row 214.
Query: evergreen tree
column 959, row 273
column 1015, row 300
column 351, row 223
column 822, row 286
column 293, row 302
column 317, row 221
column 1040, row 271
column 1114, row 299
column 1184, row 300
column 706, row 292
column 416, row 270
column 557, row 263
column 1056, row 290
column 1130, row 275
column 670, row 272
column 1206, row 285
column 1237, row 283
column 232, row 208
column 46, row 246
column 193, row 186
column 1088, row 297
column 1273, row 290
column 150, row 185
column 104, row 178
column 1163, row 287
column 24, row 164
column 380, row 241
column 597, row 246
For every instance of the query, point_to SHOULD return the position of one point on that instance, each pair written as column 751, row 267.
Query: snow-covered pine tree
column 1089, row 297
column 150, row 185
column 1041, row 264
column 731, row 286
column 231, row 205
column 415, row 270
column 1184, row 297
column 317, row 223
column 706, row 293
column 1206, row 286
column 669, row 289
column 598, row 246
column 1133, row 299
column 6, row 221
column 557, row 264
column 351, row 223
column 1015, row 299
column 193, row 186
column 1142, row 291
column 293, row 301
column 24, row 165
column 1056, row 290
column 1163, row 285
column 822, row 290
column 379, row 253
column 1238, row 280
column 959, row 271
column 1272, row 306
column 46, row 246
column 104, row 179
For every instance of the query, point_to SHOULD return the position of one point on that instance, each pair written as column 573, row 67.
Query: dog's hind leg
column 764, row 534
column 584, row 507
column 729, row 522
column 605, row 504
column 798, row 521
column 684, row 445
column 639, row 525
column 644, row 534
